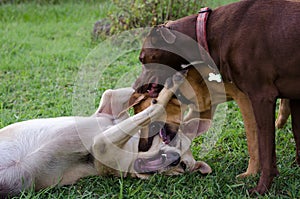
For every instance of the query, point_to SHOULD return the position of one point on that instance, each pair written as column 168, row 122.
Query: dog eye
column 183, row 165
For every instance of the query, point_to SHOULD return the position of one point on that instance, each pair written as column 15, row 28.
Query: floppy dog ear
column 203, row 167
column 135, row 99
column 195, row 127
column 113, row 102
column 160, row 33
column 167, row 35
column 105, row 103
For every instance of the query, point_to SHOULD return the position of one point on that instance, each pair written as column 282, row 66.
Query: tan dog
column 169, row 131
column 59, row 151
column 202, row 108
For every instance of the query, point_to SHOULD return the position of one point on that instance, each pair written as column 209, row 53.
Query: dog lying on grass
column 58, row 151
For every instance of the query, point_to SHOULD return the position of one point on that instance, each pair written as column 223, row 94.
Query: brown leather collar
column 201, row 27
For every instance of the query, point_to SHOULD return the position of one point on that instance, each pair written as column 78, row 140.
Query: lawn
column 47, row 69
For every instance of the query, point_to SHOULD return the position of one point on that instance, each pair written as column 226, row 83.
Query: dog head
column 173, row 139
column 165, row 142
column 173, row 47
column 165, row 50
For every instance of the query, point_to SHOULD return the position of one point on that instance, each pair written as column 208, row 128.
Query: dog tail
column 15, row 175
column 5, row 192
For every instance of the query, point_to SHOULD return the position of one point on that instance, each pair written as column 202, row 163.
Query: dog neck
column 201, row 27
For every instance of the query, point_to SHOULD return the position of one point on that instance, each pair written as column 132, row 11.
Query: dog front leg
column 114, row 138
column 295, row 111
column 109, row 148
column 264, row 111
column 120, row 133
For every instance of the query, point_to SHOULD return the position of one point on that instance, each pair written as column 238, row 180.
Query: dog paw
column 175, row 80
column 179, row 77
column 246, row 175
column 264, row 183
column 257, row 191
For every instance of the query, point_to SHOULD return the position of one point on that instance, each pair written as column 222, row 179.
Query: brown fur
column 203, row 108
column 256, row 46
column 173, row 117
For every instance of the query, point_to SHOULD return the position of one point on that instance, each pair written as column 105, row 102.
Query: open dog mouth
column 157, row 162
column 165, row 131
column 166, row 138
column 153, row 87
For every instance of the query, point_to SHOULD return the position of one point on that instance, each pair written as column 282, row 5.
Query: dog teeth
column 164, row 155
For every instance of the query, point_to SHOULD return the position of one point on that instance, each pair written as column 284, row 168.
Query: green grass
column 44, row 49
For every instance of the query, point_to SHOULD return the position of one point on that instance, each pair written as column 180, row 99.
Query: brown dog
column 256, row 46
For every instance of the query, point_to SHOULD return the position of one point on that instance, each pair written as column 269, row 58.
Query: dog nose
column 142, row 56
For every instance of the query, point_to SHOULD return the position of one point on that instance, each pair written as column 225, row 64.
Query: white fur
column 42, row 149
column 46, row 152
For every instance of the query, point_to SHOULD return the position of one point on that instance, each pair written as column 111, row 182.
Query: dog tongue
column 163, row 134
column 153, row 164
column 153, row 92
column 154, row 88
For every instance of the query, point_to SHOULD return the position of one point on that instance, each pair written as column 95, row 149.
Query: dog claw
column 178, row 77
column 169, row 83
column 243, row 175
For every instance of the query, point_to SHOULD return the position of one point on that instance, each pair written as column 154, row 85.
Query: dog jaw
column 157, row 162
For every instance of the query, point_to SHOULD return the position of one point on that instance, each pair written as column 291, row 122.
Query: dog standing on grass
column 255, row 45
column 58, row 151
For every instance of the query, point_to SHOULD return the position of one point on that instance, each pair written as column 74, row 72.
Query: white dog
column 59, row 151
